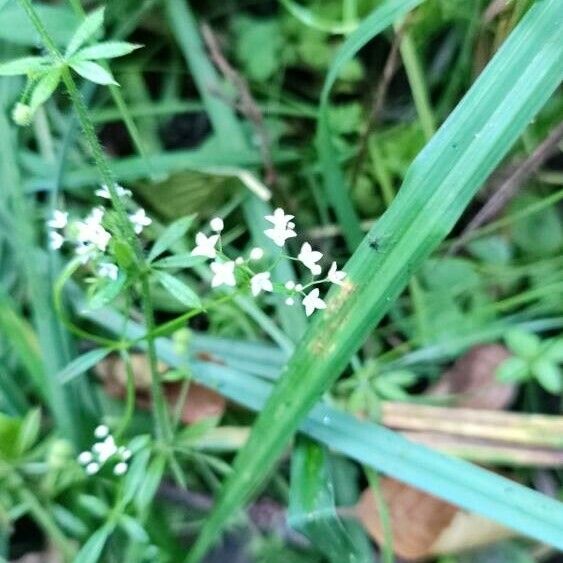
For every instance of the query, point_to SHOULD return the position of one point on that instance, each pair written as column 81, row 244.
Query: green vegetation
column 271, row 271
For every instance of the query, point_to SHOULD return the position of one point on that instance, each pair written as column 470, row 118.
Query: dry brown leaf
column 201, row 402
column 472, row 379
column 423, row 525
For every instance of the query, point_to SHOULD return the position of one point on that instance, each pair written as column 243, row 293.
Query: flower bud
column 22, row 114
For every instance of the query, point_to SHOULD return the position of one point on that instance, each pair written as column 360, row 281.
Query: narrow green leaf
column 133, row 529
column 94, row 72
column 136, row 474
column 29, row 431
column 312, row 509
column 85, row 31
column 308, row 18
column 93, row 548
column 25, row 65
column 524, row 344
column 105, row 50
column 513, row 369
column 44, row 89
column 81, row 364
column 151, row 481
column 172, row 234
column 23, row 341
column 334, row 182
column 179, row 290
column 69, row 521
column 95, row 506
column 108, row 292
column 455, row 481
column 180, row 261
column 437, row 188
column 549, row 375
column 554, row 350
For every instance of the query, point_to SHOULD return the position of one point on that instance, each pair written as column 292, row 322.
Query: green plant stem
column 115, row 92
column 418, row 85
column 385, row 517
column 160, row 411
column 419, row 91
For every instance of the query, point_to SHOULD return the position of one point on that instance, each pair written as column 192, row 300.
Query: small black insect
column 375, row 244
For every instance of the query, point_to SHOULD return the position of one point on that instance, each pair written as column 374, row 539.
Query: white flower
column 335, row 275
column 92, row 468
column 309, row 258
column 289, row 301
column 101, row 431
column 239, row 261
column 261, row 282
column 105, row 449
column 85, row 458
column 108, row 270
column 120, row 468
column 256, row 253
column 140, row 220
column 58, row 220
column 205, row 246
column 216, row 224
column 280, row 234
column 91, row 232
column 279, row 218
column 125, row 453
column 312, row 301
column 223, row 274
column 298, row 287
column 56, row 240
column 290, row 285
column 85, row 251
column 104, row 191
column 282, row 227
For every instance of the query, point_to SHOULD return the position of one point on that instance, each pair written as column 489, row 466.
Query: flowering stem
column 160, row 411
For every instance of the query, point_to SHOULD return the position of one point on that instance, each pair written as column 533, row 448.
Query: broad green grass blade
column 132, row 168
column 335, row 184
column 437, row 188
column 453, row 480
column 312, row 506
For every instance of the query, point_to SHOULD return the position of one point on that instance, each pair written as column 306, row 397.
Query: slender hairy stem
column 160, row 411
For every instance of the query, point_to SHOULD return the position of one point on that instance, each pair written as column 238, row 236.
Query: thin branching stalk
column 160, row 411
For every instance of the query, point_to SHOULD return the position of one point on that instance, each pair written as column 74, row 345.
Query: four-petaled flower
column 205, row 246
column 335, row 275
column 104, row 192
column 140, row 220
column 58, row 220
column 56, row 240
column 261, row 282
column 90, row 232
column 108, row 270
column 223, row 274
column 309, row 258
column 282, row 227
column 312, row 301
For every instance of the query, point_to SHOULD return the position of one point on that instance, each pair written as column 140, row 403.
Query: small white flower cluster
column 283, row 228
column 89, row 236
column 103, row 451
